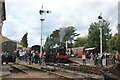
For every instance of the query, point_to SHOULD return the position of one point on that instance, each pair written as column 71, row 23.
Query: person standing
column 43, row 58
column 36, row 57
column 96, row 60
column 91, row 56
column 84, row 58
column 6, row 57
column 30, row 56
column 14, row 57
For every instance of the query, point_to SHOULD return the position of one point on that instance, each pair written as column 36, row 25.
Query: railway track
column 59, row 74
column 61, row 71
column 78, row 68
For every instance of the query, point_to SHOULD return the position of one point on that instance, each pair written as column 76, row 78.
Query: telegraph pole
column 42, row 12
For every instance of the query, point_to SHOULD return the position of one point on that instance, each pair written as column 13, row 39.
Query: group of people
column 84, row 56
column 4, row 57
column 102, row 60
column 30, row 56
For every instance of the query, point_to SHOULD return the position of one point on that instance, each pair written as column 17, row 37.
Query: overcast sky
column 23, row 16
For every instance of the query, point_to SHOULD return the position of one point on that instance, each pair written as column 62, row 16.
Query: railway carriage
column 10, row 47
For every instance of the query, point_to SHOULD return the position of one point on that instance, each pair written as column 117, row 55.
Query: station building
column 6, row 44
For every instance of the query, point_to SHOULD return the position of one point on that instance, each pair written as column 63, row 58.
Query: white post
column 41, row 38
column 100, row 24
column 42, row 19
column 66, row 44
column 100, row 40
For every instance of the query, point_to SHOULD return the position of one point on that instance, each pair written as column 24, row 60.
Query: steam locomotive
column 57, row 54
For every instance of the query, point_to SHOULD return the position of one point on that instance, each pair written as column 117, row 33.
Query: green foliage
column 68, row 34
column 118, row 38
column 118, row 27
column 118, row 42
column 115, row 42
column 48, row 42
column 81, row 41
column 94, row 35
column 24, row 41
column 55, row 34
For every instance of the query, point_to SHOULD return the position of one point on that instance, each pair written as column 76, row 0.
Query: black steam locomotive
column 57, row 54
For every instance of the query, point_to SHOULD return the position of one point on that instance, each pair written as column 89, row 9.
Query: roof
column 4, row 39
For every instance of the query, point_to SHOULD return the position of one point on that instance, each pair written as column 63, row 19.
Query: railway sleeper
column 19, row 69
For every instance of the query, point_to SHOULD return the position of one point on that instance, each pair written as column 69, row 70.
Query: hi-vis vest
column 83, row 57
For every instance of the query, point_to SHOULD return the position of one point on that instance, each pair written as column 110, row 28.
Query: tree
column 81, row 41
column 118, row 28
column 118, row 42
column 24, row 41
column 52, row 39
column 118, row 38
column 115, row 41
column 61, row 35
column 70, row 35
column 48, row 43
column 94, row 35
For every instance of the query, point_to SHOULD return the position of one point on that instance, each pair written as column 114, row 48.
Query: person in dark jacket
column 30, row 56
column 14, row 56
column 36, row 57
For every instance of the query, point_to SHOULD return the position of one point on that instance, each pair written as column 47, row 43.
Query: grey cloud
column 26, row 18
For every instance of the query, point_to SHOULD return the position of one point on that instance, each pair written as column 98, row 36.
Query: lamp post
column 42, row 12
